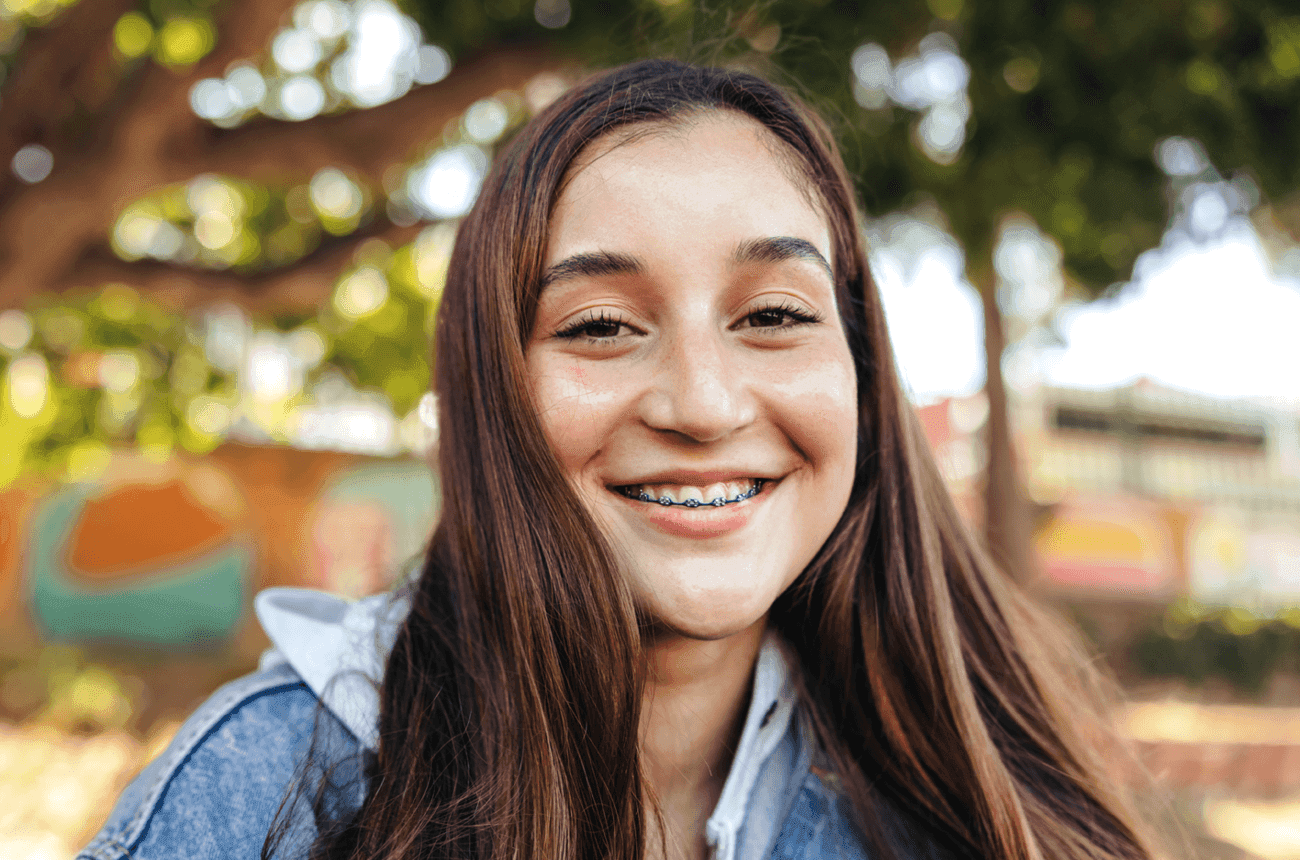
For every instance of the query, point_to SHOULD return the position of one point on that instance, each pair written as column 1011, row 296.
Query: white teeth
column 713, row 494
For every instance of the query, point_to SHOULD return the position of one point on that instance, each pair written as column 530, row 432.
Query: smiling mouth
column 678, row 495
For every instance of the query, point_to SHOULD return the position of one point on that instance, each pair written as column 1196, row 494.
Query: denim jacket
column 216, row 788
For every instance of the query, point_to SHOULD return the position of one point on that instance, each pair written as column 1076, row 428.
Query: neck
column 697, row 694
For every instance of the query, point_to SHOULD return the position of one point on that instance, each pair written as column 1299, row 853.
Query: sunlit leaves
column 81, row 376
column 184, row 41
column 380, row 316
column 216, row 222
column 132, row 35
column 333, row 55
column 1284, row 46
column 95, row 371
column 32, row 12
column 175, row 34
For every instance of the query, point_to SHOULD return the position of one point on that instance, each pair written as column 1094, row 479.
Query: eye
column 600, row 325
column 781, row 315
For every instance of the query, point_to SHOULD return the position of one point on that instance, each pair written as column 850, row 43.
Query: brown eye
column 768, row 318
column 603, row 326
column 780, row 316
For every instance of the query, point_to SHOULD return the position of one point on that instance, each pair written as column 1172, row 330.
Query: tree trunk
column 1007, row 526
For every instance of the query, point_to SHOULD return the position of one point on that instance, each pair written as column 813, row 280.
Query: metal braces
column 696, row 503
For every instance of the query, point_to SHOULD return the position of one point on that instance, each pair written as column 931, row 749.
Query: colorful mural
column 369, row 523
column 1122, row 546
column 157, row 562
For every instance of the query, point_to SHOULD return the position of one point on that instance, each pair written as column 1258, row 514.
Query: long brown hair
column 510, row 704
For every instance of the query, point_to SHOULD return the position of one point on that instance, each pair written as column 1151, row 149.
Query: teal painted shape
column 197, row 602
column 408, row 493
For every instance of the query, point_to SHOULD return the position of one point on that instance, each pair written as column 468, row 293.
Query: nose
column 699, row 391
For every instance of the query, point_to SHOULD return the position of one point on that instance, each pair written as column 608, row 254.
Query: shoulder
column 217, row 787
column 820, row 824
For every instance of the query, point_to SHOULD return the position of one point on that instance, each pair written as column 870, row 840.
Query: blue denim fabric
column 817, row 827
column 214, row 792
column 216, row 788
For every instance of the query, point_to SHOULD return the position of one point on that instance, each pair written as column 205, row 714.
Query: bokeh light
column 32, row 163
column 327, row 19
column 1180, row 156
column 932, row 82
column 15, row 330
column 184, row 41
column 485, row 120
column 434, row 64
column 552, row 14
column 33, row 11
column 447, row 184
column 296, row 50
column 360, row 293
column 133, row 35
column 29, row 385
column 333, row 56
column 301, row 97
column 382, row 55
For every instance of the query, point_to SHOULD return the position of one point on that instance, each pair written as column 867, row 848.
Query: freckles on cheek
column 575, row 409
column 823, row 394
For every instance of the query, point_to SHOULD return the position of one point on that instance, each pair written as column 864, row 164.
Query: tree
column 1074, row 114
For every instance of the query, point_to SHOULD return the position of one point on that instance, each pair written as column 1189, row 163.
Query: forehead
column 715, row 170
column 684, row 128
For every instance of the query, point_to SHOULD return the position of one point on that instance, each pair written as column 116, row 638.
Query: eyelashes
column 603, row 325
column 595, row 325
column 783, row 314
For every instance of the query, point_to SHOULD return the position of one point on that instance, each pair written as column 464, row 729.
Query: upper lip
column 695, row 478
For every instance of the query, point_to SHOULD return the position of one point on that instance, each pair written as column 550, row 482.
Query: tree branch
column 369, row 141
column 57, row 60
column 301, row 286
column 157, row 141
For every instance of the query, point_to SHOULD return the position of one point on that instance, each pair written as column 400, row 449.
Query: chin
column 709, row 620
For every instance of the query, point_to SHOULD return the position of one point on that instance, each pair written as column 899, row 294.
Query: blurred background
column 224, row 227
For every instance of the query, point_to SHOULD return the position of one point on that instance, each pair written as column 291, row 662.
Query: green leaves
column 1068, row 100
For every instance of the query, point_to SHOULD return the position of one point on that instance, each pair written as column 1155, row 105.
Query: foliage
column 1197, row 643
column 217, row 222
column 113, row 368
column 59, row 686
column 1067, row 100
column 105, row 369
column 1057, row 109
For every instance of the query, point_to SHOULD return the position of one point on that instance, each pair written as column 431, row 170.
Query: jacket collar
column 339, row 647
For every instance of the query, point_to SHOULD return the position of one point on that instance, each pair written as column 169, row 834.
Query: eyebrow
column 773, row 249
column 778, row 249
column 591, row 265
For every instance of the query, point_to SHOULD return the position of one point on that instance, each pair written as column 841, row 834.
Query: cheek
column 818, row 404
column 577, row 408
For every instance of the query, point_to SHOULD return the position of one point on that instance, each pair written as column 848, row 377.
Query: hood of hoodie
column 339, row 648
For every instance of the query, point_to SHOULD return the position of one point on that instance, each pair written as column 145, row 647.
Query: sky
column 1211, row 319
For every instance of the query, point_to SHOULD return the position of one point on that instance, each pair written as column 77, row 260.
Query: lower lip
column 703, row 522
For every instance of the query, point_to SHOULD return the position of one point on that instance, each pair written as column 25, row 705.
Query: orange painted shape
column 142, row 526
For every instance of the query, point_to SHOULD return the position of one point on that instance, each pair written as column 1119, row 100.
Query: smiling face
column 691, row 370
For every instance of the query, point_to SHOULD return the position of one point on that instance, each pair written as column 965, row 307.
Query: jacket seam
column 185, row 748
